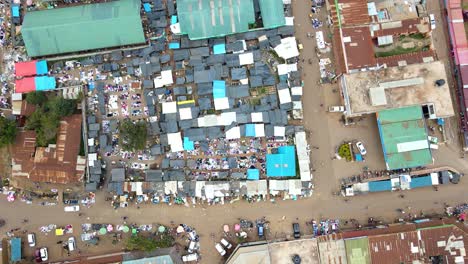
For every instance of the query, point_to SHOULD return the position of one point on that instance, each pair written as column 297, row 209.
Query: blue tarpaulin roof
column 219, row 89
column 380, row 186
column 15, row 11
column 174, row 20
column 41, row 67
column 174, row 45
column 282, row 164
column 424, row 181
column 188, row 144
column 44, row 83
column 358, row 157
column 147, row 7
column 15, row 254
column 250, row 130
column 253, row 174
column 219, row 48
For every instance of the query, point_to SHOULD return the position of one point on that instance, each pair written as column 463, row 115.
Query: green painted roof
column 272, row 13
column 399, row 127
column 199, row 21
column 357, row 250
column 83, row 27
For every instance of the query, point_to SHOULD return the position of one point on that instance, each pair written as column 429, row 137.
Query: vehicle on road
column 336, row 109
column 226, row 243
column 73, row 208
column 32, row 240
column 190, row 257
column 71, row 244
column 361, row 148
column 220, row 249
column 432, row 21
column 296, row 230
column 193, row 246
column 44, row 254
column 260, row 229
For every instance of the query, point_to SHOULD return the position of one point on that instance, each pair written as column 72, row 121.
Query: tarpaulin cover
column 25, row 68
column 41, row 67
column 188, row 144
column 219, row 89
column 25, row 85
column 250, row 130
column 253, row 174
column 15, row 11
column 219, row 48
column 44, row 83
column 174, row 45
column 147, row 7
column 417, row 182
column 174, row 20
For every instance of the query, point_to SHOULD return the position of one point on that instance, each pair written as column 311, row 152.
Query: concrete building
column 372, row 91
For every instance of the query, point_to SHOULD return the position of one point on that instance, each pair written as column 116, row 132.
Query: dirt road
column 326, row 132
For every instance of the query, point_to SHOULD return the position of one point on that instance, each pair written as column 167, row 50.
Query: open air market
column 220, row 131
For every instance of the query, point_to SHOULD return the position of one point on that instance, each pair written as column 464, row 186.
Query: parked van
column 32, row 240
column 220, row 249
column 226, row 244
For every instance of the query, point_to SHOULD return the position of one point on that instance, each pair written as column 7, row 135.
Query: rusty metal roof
column 351, row 12
column 394, row 248
column 55, row 163
column 359, row 49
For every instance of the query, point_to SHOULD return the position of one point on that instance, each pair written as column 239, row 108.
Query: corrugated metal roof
column 200, row 20
column 82, row 27
column 402, row 125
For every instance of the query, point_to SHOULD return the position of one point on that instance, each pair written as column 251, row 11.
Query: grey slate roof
column 238, row 73
column 118, row 175
column 238, row 91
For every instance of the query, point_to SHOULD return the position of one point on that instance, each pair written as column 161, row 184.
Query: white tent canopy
column 284, row 96
column 185, row 113
column 288, row 48
column 279, row 131
column 221, row 103
column 169, row 107
column 164, row 79
column 257, row 117
column 233, row 133
column 286, row 68
column 175, row 141
column 246, row 58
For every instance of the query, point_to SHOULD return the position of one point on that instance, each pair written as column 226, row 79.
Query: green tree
column 141, row 243
column 61, row 106
column 34, row 120
column 149, row 243
column 133, row 135
column 7, row 131
column 47, row 132
column 36, row 98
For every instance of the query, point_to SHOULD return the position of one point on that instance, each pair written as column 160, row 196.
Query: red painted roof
column 359, row 50
column 25, row 85
column 26, row 68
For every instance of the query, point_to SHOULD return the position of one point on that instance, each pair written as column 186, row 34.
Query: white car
column 226, row 244
column 32, row 240
column 361, row 148
column 71, row 244
column 220, row 249
column 72, row 208
column 336, row 109
column 43, row 253
column 190, row 257
column 432, row 21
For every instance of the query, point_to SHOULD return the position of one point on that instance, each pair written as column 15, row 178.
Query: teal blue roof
column 219, row 89
column 253, row 174
column 15, row 248
column 82, row 27
column 417, row 182
column 282, row 164
column 272, row 13
column 380, row 186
